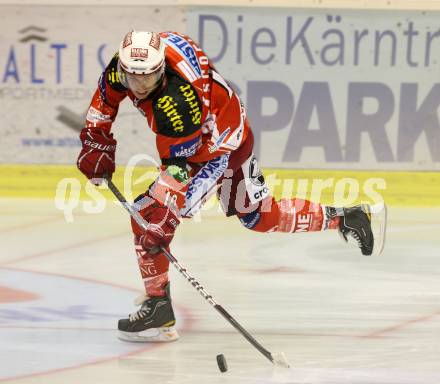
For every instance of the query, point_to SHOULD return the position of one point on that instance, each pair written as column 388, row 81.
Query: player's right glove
column 97, row 157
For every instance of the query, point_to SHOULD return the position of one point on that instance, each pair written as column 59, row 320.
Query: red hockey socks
column 154, row 269
column 292, row 215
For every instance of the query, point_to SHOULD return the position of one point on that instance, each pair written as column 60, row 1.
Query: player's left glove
column 160, row 207
column 162, row 225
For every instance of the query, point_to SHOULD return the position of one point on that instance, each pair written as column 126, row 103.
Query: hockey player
column 205, row 145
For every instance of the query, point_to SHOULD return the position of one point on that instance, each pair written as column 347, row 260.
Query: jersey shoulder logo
column 177, row 109
column 112, row 75
column 185, row 49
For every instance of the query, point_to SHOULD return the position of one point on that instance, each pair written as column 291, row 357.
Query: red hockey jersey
column 195, row 114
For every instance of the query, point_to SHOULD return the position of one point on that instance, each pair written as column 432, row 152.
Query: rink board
column 323, row 88
column 397, row 188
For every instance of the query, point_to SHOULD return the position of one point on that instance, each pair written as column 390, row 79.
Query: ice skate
column 153, row 322
column 367, row 225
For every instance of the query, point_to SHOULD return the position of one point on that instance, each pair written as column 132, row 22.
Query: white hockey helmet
column 141, row 53
column 141, row 62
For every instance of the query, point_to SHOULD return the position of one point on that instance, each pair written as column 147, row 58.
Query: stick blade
column 279, row 359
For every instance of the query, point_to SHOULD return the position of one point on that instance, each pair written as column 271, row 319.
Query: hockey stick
column 278, row 359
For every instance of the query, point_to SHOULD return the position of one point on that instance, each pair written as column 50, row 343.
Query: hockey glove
column 97, row 157
column 162, row 225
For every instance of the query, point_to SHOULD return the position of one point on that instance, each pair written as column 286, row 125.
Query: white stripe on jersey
column 236, row 137
column 219, row 79
column 187, row 70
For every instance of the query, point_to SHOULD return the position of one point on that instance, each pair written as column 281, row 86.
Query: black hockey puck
column 221, row 362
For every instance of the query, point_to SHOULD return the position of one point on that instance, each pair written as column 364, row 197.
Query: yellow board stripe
column 402, row 188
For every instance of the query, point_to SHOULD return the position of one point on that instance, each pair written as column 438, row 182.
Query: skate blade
column 378, row 226
column 152, row 335
column 374, row 208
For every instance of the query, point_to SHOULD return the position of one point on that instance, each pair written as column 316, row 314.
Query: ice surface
column 339, row 317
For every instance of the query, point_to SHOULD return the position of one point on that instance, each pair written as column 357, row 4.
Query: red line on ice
column 187, row 325
column 401, row 325
column 65, row 248
column 32, row 224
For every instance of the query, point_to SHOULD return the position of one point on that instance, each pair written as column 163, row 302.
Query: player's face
column 143, row 85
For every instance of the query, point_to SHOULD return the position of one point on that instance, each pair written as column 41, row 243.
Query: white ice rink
column 338, row 316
